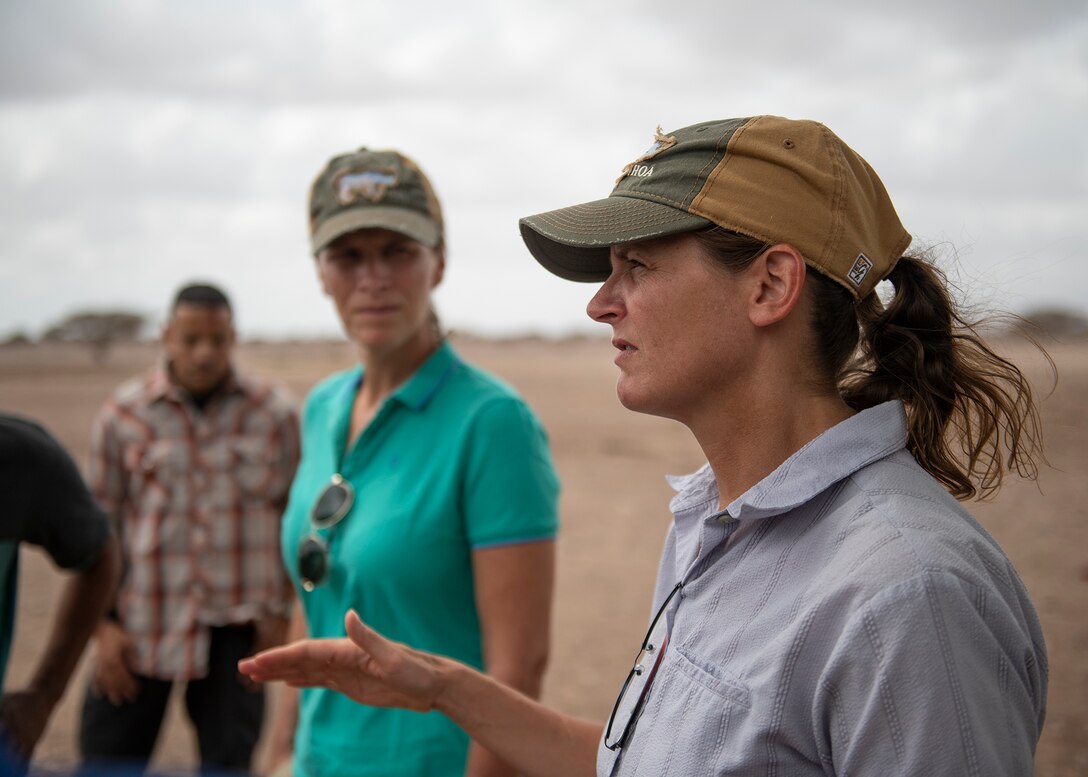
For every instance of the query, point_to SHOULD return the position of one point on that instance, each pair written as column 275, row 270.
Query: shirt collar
column 700, row 526
column 417, row 392
column 842, row 450
column 160, row 385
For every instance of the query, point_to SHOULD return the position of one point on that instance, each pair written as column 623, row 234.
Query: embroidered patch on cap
column 861, row 268
column 350, row 185
column 662, row 142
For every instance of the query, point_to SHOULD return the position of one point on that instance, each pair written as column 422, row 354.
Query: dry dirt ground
column 612, row 464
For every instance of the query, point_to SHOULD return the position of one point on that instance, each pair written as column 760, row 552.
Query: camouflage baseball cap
column 373, row 189
column 773, row 179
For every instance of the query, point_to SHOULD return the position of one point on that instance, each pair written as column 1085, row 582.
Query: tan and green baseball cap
column 373, row 189
column 774, row 179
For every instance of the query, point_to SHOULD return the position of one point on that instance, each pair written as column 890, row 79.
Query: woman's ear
column 779, row 277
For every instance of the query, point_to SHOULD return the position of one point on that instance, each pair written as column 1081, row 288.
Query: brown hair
column 971, row 415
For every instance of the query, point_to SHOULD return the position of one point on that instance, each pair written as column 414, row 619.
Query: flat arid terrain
column 614, row 513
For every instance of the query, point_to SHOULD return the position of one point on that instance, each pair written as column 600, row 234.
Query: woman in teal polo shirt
column 426, row 496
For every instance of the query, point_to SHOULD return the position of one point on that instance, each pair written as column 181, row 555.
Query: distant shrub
column 1058, row 323
column 99, row 330
column 16, row 338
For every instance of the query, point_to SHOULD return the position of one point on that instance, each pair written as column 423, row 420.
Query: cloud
column 145, row 143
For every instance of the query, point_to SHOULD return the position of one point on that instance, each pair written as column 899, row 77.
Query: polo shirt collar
column 868, row 436
column 425, row 383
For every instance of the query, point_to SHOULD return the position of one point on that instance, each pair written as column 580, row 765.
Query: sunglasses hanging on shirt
column 332, row 504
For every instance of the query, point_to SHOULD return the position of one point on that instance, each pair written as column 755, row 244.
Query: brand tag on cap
column 861, row 268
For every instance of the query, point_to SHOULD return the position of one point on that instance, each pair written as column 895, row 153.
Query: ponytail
column 971, row 415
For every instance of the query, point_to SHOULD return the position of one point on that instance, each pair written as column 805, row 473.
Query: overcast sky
column 147, row 143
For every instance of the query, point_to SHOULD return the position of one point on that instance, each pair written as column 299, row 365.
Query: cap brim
column 574, row 242
column 411, row 223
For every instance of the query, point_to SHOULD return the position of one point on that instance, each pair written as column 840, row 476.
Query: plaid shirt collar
column 162, row 386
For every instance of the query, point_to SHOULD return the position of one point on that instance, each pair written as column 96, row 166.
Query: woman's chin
column 630, row 397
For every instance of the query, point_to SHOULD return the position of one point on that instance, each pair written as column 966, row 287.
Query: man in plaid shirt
column 193, row 462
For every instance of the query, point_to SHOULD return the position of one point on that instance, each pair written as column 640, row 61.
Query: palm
column 366, row 667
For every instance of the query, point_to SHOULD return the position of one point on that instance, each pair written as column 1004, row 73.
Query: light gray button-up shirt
column 863, row 624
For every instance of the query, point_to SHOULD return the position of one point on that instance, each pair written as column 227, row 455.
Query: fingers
column 113, row 677
column 120, row 694
column 389, row 673
column 130, row 687
column 267, row 666
column 116, row 683
column 368, row 640
column 290, row 663
column 294, row 661
column 365, row 667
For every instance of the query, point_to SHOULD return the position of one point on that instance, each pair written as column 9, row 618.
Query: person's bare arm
column 514, row 585
column 107, row 476
column 366, row 667
column 85, row 596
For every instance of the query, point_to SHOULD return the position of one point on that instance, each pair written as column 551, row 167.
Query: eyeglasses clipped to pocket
column 330, row 507
column 636, row 687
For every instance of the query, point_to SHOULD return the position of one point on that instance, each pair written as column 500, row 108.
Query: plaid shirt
column 197, row 497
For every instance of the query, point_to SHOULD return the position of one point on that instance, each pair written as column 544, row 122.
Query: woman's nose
column 604, row 306
column 372, row 272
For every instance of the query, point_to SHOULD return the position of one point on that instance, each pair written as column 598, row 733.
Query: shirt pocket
column 157, row 494
column 254, row 464
column 686, row 722
column 154, row 470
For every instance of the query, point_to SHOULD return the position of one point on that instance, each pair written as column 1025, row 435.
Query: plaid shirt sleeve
column 288, row 444
column 287, row 441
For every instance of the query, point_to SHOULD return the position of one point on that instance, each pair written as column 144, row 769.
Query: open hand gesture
column 365, row 666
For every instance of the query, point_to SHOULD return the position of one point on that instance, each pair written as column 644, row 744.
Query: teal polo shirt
column 453, row 461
